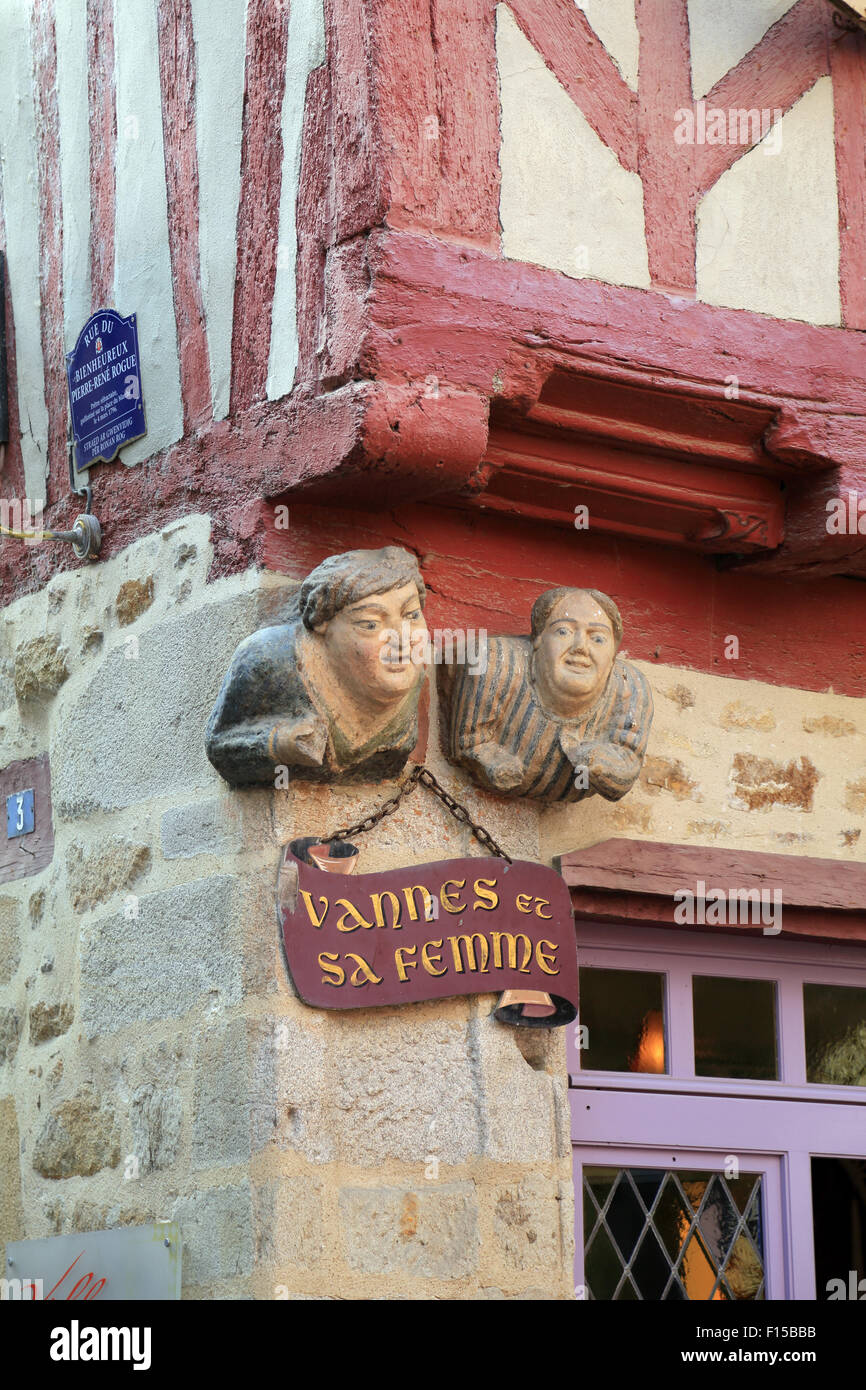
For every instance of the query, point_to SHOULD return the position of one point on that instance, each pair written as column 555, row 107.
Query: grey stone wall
column 154, row 1057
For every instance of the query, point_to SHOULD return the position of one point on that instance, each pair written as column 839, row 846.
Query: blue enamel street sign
column 104, row 375
column 20, row 814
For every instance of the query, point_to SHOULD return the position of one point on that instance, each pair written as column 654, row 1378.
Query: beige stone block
column 760, row 783
column 290, row 1096
column 221, row 1106
column 11, row 1211
column 49, row 1021
column 156, row 1116
column 10, row 951
column 524, row 1107
column 405, row 1087
column 134, row 597
column 40, row 667
column 527, row 1223
column 152, row 743
column 738, row 715
column 78, row 1138
column 287, row 1217
column 366, row 1087
column 181, row 948
column 95, row 1216
column 217, row 1230
column 430, row 1234
column 829, row 724
column 95, row 875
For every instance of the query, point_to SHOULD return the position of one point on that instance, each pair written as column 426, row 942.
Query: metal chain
column 424, row 776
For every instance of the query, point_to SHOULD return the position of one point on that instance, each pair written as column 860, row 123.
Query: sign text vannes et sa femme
column 460, row 926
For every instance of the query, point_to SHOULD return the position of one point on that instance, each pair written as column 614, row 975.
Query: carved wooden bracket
column 669, row 463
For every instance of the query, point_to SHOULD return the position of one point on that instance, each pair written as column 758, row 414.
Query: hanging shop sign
column 460, row 926
column 104, row 376
column 133, row 1262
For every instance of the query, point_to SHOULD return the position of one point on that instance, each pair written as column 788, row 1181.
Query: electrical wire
column 27, row 535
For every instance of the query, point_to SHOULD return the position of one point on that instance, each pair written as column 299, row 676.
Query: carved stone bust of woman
column 556, row 716
column 329, row 694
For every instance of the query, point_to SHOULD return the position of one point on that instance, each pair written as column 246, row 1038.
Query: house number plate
column 20, row 814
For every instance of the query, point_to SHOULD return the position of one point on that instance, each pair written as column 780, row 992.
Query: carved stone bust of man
column 556, row 716
column 332, row 694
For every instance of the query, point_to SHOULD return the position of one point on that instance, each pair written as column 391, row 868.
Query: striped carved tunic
column 496, row 728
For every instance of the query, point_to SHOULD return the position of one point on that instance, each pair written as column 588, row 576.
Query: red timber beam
column 415, row 117
column 666, row 168
column 773, row 75
column 177, row 75
column 505, row 330
column 635, row 881
column 439, row 339
column 578, row 59
column 848, row 68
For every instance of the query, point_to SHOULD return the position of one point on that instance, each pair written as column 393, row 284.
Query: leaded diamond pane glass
column 659, row 1235
column 606, row 1266
column 672, row 1219
column 625, row 1217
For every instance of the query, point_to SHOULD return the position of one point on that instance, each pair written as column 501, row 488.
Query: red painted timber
column 657, row 867
column 808, row 547
column 437, row 108
column 259, row 210
column 177, row 75
column 578, row 59
column 361, row 175
column 485, row 571
column 503, row 328
column 12, row 485
column 477, row 329
column 634, row 881
column 103, row 146
column 50, row 244
column 848, row 68
column 787, row 61
column 666, row 168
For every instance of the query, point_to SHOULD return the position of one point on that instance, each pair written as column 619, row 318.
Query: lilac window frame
column 682, row 1120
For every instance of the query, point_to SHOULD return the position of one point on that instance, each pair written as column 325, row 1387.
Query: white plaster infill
column 768, row 231
column 566, row 202
column 19, row 186
column 219, row 27
column 306, row 51
column 74, row 123
column 142, row 272
column 722, row 34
